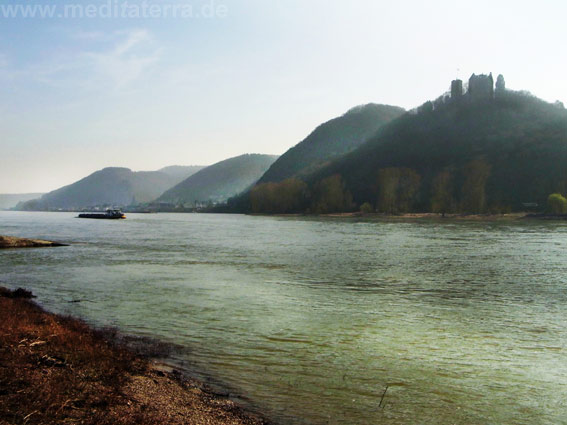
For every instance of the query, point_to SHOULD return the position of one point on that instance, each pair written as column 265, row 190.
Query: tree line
column 294, row 196
column 397, row 190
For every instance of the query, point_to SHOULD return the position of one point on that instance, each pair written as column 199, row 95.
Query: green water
column 310, row 320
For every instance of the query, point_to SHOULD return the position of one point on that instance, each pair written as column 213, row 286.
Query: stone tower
column 456, row 89
column 500, row 85
column 481, row 87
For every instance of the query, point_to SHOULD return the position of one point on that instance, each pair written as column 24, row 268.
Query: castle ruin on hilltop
column 480, row 87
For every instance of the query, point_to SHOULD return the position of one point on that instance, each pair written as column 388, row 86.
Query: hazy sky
column 80, row 94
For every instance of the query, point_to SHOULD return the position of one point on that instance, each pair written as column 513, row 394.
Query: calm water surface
column 310, row 320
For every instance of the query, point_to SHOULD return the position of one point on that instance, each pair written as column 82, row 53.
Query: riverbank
column 433, row 216
column 13, row 242
column 415, row 216
column 56, row 369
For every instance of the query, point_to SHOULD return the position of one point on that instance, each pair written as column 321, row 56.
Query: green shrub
column 366, row 208
column 557, row 203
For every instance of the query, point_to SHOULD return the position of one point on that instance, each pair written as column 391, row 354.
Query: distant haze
column 79, row 95
column 220, row 181
column 10, row 201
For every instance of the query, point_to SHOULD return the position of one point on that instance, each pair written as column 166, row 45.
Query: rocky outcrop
column 13, row 242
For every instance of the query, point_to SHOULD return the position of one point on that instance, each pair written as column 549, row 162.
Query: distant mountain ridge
column 181, row 172
column 112, row 186
column 480, row 148
column 331, row 140
column 220, row 181
column 9, row 200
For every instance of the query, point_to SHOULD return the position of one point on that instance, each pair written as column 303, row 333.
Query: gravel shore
column 58, row 370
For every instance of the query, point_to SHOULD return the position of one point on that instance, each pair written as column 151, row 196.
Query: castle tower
column 500, row 85
column 456, row 89
column 481, row 87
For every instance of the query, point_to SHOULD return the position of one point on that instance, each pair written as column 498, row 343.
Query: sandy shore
column 13, row 242
column 58, row 370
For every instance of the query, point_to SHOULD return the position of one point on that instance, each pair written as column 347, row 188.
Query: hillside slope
column 220, row 181
column 495, row 154
column 109, row 186
column 330, row 140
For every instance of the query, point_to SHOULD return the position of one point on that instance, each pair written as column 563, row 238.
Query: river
column 326, row 321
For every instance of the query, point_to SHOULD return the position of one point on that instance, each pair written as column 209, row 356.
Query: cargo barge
column 109, row 215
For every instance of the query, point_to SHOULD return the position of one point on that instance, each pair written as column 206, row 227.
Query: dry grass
column 58, row 370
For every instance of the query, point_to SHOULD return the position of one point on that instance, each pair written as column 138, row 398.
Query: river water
column 326, row 321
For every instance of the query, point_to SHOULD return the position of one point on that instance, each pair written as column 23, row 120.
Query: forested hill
column 111, row 186
column 494, row 154
column 471, row 156
column 219, row 181
column 330, row 140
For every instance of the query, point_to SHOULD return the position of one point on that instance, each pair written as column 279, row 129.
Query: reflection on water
column 310, row 320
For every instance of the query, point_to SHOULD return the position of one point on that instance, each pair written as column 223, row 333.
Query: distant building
column 500, row 85
column 481, row 87
column 456, row 89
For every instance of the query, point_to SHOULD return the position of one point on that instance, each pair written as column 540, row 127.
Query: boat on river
column 108, row 215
